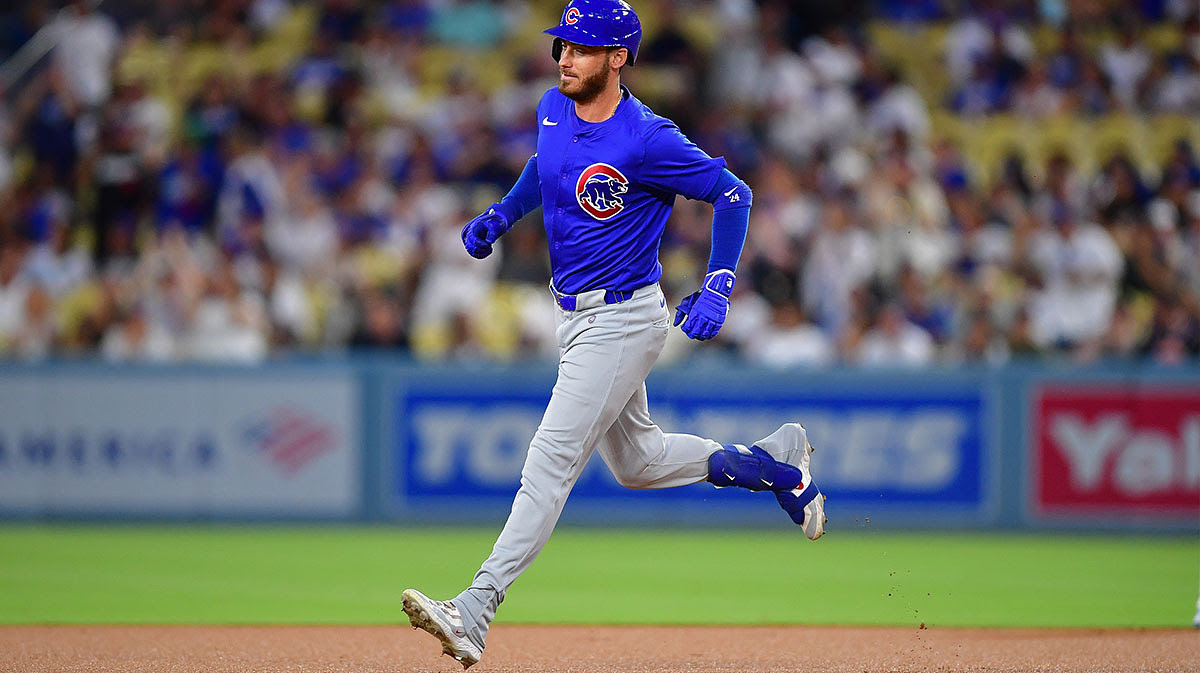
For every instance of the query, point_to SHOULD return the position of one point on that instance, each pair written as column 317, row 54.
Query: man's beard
column 589, row 87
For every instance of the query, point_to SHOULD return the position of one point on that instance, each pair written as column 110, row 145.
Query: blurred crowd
column 994, row 67
column 305, row 195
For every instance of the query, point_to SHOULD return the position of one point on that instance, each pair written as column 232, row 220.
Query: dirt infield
column 581, row 649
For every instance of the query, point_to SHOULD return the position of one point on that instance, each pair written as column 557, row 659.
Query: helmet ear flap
column 556, row 48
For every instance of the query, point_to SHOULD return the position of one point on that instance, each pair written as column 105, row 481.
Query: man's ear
column 618, row 57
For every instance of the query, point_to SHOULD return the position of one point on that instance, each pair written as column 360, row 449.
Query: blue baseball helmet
column 598, row 23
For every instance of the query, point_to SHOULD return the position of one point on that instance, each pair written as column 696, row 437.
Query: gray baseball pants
column 598, row 404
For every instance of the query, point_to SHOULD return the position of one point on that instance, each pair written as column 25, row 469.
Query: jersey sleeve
column 675, row 164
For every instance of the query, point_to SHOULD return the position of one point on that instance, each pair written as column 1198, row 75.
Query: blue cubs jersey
column 608, row 189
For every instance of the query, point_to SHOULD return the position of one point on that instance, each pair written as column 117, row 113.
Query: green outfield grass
column 136, row 574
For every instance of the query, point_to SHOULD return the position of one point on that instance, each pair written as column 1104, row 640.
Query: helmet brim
column 577, row 36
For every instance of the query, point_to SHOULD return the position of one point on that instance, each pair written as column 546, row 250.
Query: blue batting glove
column 708, row 306
column 685, row 307
column 480, row 233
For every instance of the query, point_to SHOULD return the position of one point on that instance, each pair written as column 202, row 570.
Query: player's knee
column 630, row 478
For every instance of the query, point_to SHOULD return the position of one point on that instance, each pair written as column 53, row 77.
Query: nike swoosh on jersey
column 731, row 191
column 546, row 122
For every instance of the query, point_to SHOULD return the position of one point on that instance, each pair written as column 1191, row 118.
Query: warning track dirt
column 600, row 649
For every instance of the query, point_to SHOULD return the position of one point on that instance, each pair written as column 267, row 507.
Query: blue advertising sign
column 893, row 448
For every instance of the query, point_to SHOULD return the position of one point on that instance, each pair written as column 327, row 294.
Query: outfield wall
column 373, row 439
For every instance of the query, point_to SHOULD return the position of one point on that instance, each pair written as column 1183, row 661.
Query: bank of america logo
column 289, row 438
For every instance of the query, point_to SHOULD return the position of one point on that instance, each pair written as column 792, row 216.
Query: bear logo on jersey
column 599, row 191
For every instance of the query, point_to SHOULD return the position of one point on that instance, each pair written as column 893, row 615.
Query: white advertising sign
column 180, row 444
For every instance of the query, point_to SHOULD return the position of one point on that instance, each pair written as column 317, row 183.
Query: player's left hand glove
column 703, row 312
column 480, row 233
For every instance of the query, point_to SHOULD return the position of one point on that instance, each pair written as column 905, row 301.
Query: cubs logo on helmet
column 598, row 23
column 599, row 191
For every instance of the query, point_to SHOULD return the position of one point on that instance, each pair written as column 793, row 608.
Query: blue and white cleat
column 805, row 503
column 441, row 620
column 756, row 468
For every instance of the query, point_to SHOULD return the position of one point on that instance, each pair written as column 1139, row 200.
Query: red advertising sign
column 1133, row 450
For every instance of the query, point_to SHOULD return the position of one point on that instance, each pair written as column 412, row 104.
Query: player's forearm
column 731, row 199
column 525, row 196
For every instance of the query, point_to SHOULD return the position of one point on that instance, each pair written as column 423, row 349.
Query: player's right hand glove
column 703, row 312
column 480, row 233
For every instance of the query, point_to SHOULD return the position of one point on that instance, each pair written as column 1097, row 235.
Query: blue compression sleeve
column 731, row 199
column 525, row 196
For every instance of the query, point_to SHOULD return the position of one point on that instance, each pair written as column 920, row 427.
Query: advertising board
column 180, row 444
column 1108, row 449
column 887, row 449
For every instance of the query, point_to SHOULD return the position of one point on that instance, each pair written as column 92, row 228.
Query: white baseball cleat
column 805, row 503
column 814, row 511
column 442, row 620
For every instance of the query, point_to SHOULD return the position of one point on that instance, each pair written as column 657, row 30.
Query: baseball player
column 606, row 173
column 1196, row 619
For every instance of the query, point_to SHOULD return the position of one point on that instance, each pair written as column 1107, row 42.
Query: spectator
column 149, row 122
column 1175, row 335
column 1120, row 193
column 35, row 337
column 187, row 189
column 898, row 108
column 293, row 314
column 50, row 129
column 1094, row 95
column 833, row 56
column 895, row 342
column 228, row 323
column 843, row 257
column 390, row 66
column 120, row 177
column 1065, row 64
column 304, row 238
column 1078, row 266
column 252, row 193
column 1178, row 90
column 910, row 215
column 87, row 42
column 1036, row 98
column 922, row 308
column 382, row 322
column 15, row 287
column 789, row 340
column 131, row 338
column 212, row 114
column 57, row 264
column 983, row 343
column 786, row 81
column 1125, row 63
column 981, row 94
